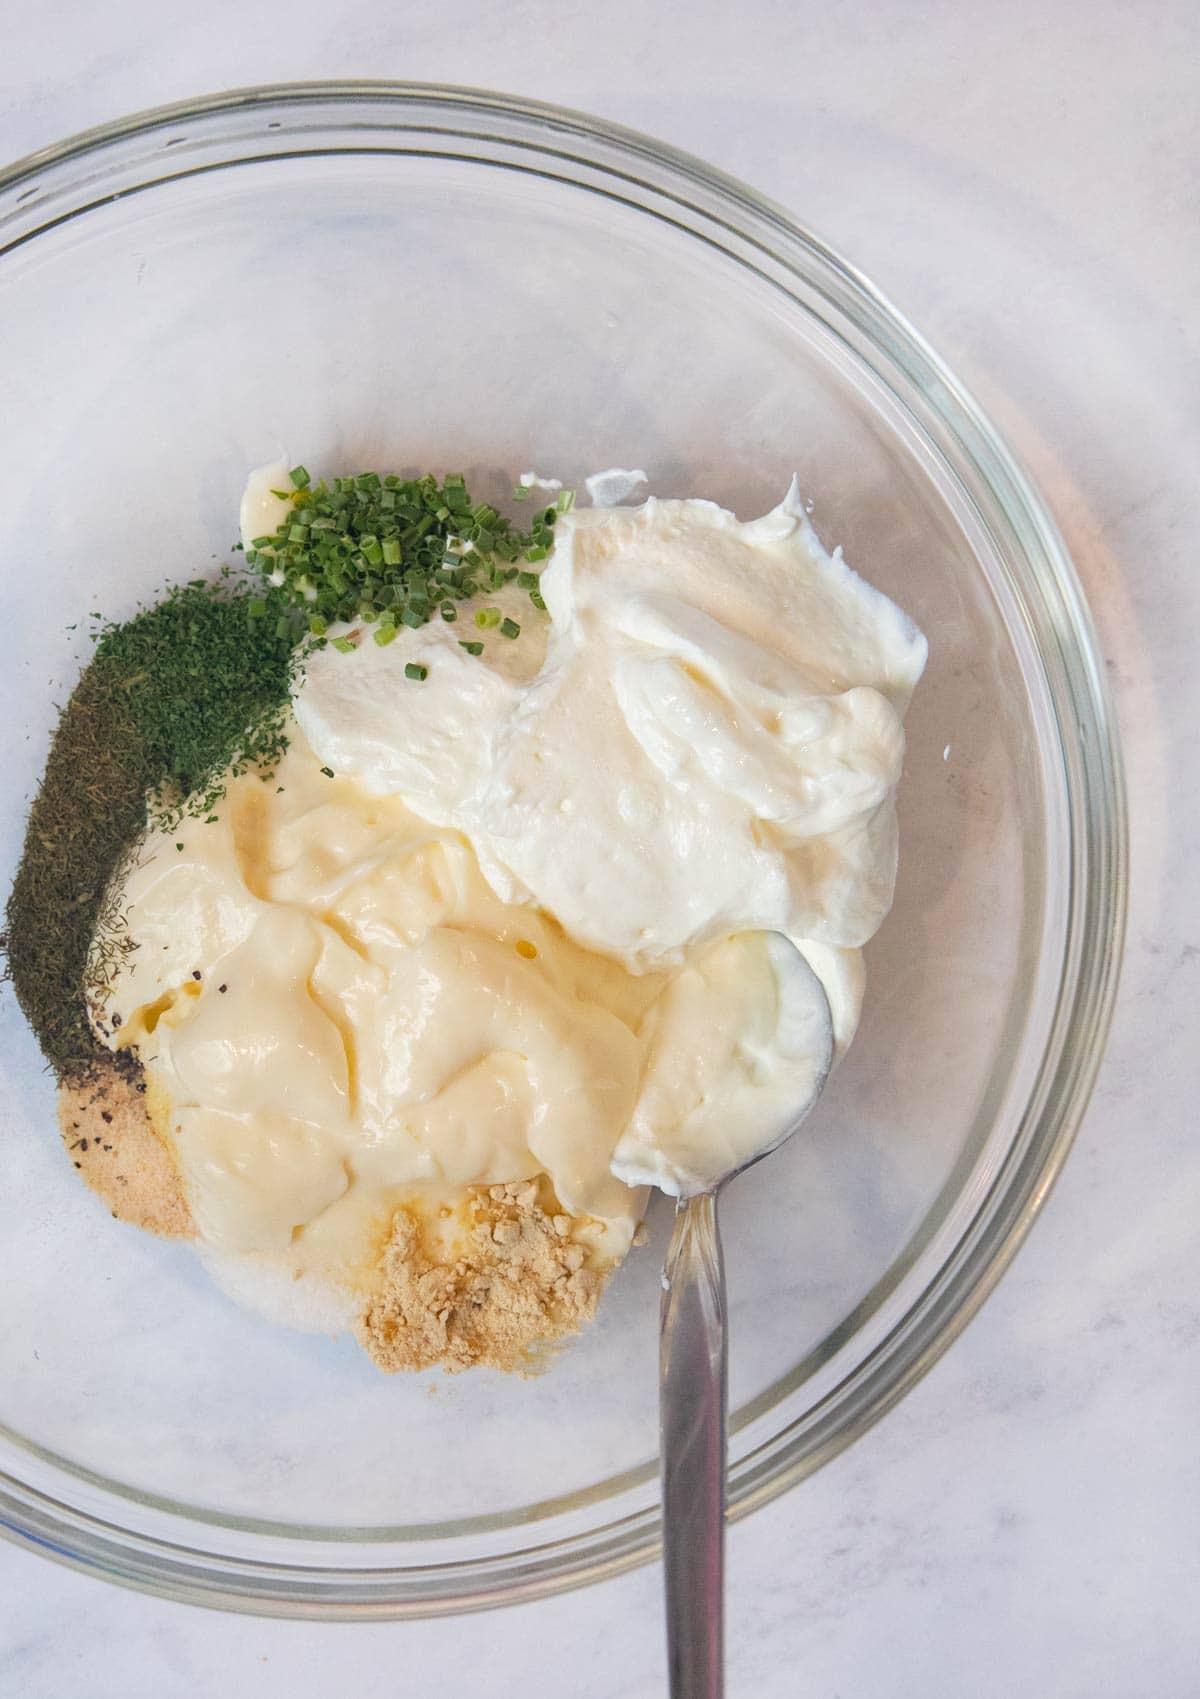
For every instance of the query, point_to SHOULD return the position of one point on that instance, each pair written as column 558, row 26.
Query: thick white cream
column 710, row 744
column 740, row 1045
column 263, row 511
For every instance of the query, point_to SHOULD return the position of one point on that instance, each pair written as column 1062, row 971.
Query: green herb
column 487, row 618
column 350, row 547
column 413, row 669
column 172, row 700
column 471, row 648
column 207, row 687
column 509, row 628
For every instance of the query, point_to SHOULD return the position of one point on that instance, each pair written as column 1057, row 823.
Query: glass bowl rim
column 160, row 1562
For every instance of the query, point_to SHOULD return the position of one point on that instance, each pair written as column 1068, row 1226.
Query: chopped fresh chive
column 509, row 628
column 385, row 635
column 256, row 608
column 527, row 580
column 520, row 492
column 328, row 772
column 344, row 644
column 471, row 648
column 535, row 596
column 353, row 547
column 566, row 501
column 487, row 618
column 414, row 669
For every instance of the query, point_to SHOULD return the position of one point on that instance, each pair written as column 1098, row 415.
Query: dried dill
column 172, row 700
column 207, row 689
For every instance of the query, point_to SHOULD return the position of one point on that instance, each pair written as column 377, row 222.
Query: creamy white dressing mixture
column 589, row 904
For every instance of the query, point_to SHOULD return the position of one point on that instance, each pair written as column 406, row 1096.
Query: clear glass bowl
column 409, row 276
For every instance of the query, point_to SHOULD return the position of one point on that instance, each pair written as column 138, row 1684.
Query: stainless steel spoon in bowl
column 693, row 1381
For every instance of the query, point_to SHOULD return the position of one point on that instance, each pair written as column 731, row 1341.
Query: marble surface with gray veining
column 1022, row 180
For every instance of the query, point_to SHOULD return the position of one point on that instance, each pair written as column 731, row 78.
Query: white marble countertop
column 1022, row 180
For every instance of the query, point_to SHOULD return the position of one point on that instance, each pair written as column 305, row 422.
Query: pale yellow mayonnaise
column 330, row 997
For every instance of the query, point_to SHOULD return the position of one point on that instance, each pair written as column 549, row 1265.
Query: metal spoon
column 693, row 1395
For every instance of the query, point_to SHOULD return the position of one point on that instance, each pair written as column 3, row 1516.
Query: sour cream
column 709, row 742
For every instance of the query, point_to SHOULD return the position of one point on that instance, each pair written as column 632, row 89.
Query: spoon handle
column 692, row 1398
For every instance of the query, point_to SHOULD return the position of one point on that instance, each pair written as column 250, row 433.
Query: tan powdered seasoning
column 521, row 1283
column 111, row 1139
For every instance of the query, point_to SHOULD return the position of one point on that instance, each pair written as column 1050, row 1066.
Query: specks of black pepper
column 195, row 973
column 222, row 989
column 79, row 1165
column 106, row 1115
column 83, row 1144
column 126, row 1064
